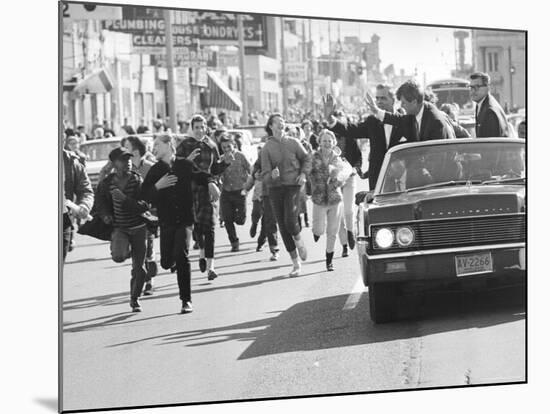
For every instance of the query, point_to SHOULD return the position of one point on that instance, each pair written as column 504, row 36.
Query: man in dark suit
column 422, row 122
column 490, row 117
column 381, row 137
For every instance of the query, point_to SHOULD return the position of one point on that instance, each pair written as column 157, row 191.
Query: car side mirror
column 366, row 196
column 370, row 197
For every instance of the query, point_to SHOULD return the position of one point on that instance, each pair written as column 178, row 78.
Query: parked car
column 443, row 214
column 97, row 153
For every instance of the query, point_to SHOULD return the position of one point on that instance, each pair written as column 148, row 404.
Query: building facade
column 502, row 56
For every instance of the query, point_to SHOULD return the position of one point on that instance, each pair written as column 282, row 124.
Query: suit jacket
column 491, row 119
column 432, row 126
column 372, row 129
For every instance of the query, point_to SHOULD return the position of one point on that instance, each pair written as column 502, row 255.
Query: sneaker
column 195, row 246
column 295, row 271
column 186, row 307
column 134, row 304
column 212, row 275
column 152, row 269
column 259, row 248
column 302, row 251
column 202, row 265
column 148, row 291
column 274, row 257
column 253, row 229
column 345, row 251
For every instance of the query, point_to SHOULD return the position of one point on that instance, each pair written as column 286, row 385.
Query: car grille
column 436, row 234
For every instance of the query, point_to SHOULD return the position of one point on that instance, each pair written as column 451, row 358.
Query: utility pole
column 331, row 64
column 170, row 70
column 304, row 60
column 311, row 74
column 511, row 73
column 283, row 67
column 244, row 97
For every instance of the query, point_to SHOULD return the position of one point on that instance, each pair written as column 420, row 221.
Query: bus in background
column 456, row 90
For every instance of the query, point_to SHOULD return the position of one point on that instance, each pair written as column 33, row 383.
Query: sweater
column 289, row 156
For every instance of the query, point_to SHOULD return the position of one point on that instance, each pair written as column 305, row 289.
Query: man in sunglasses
column 490, row 117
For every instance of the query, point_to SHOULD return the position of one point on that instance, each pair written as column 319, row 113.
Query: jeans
column 329, row 218
column 205, row 239
column 150, row 249
column 233, row 207
column 347, row 222
column 124, row 241
column 174, row 250
column 269, row 225
column 285, row 204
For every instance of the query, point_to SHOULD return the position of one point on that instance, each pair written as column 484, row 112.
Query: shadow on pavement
column 88, row 260
column 322, row 324
column 105, row 323
column 112, row 298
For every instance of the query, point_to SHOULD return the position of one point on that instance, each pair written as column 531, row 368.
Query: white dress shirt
column 419, row 119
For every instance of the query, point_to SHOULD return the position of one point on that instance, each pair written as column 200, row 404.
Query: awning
column 220, row 95
column 97, row 82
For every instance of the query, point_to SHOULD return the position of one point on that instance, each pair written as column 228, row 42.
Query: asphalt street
column 256, row 333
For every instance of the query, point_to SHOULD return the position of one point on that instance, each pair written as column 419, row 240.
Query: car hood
column 462, row 201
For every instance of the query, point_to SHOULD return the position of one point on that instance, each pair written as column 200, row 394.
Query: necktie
column 416, row 129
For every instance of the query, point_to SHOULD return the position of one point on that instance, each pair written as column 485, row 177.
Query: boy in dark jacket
column 169, row 187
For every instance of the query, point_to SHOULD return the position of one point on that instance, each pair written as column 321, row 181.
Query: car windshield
column 99, row 151
column 437, row 166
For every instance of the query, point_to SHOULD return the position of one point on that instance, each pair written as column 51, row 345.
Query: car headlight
column 384, row 238
column 404, row 236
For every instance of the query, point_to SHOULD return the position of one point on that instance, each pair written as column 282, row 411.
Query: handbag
column 96, row 228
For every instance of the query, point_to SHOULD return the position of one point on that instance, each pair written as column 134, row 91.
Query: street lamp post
column 512, row 71
column 283, row 67
column 170, row 70
column 244, row 98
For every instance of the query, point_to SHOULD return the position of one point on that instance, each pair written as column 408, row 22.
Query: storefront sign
column 296, row 72
column 147, row 27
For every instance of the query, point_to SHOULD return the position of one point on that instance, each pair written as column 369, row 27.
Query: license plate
column 473, row 264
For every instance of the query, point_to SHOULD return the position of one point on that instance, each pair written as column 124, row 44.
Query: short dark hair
column 485, row 78
column 410, row 90
column 137, row 144
column 388, row 88
column 227, row 138
column 270, row 121
column 197, row 118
